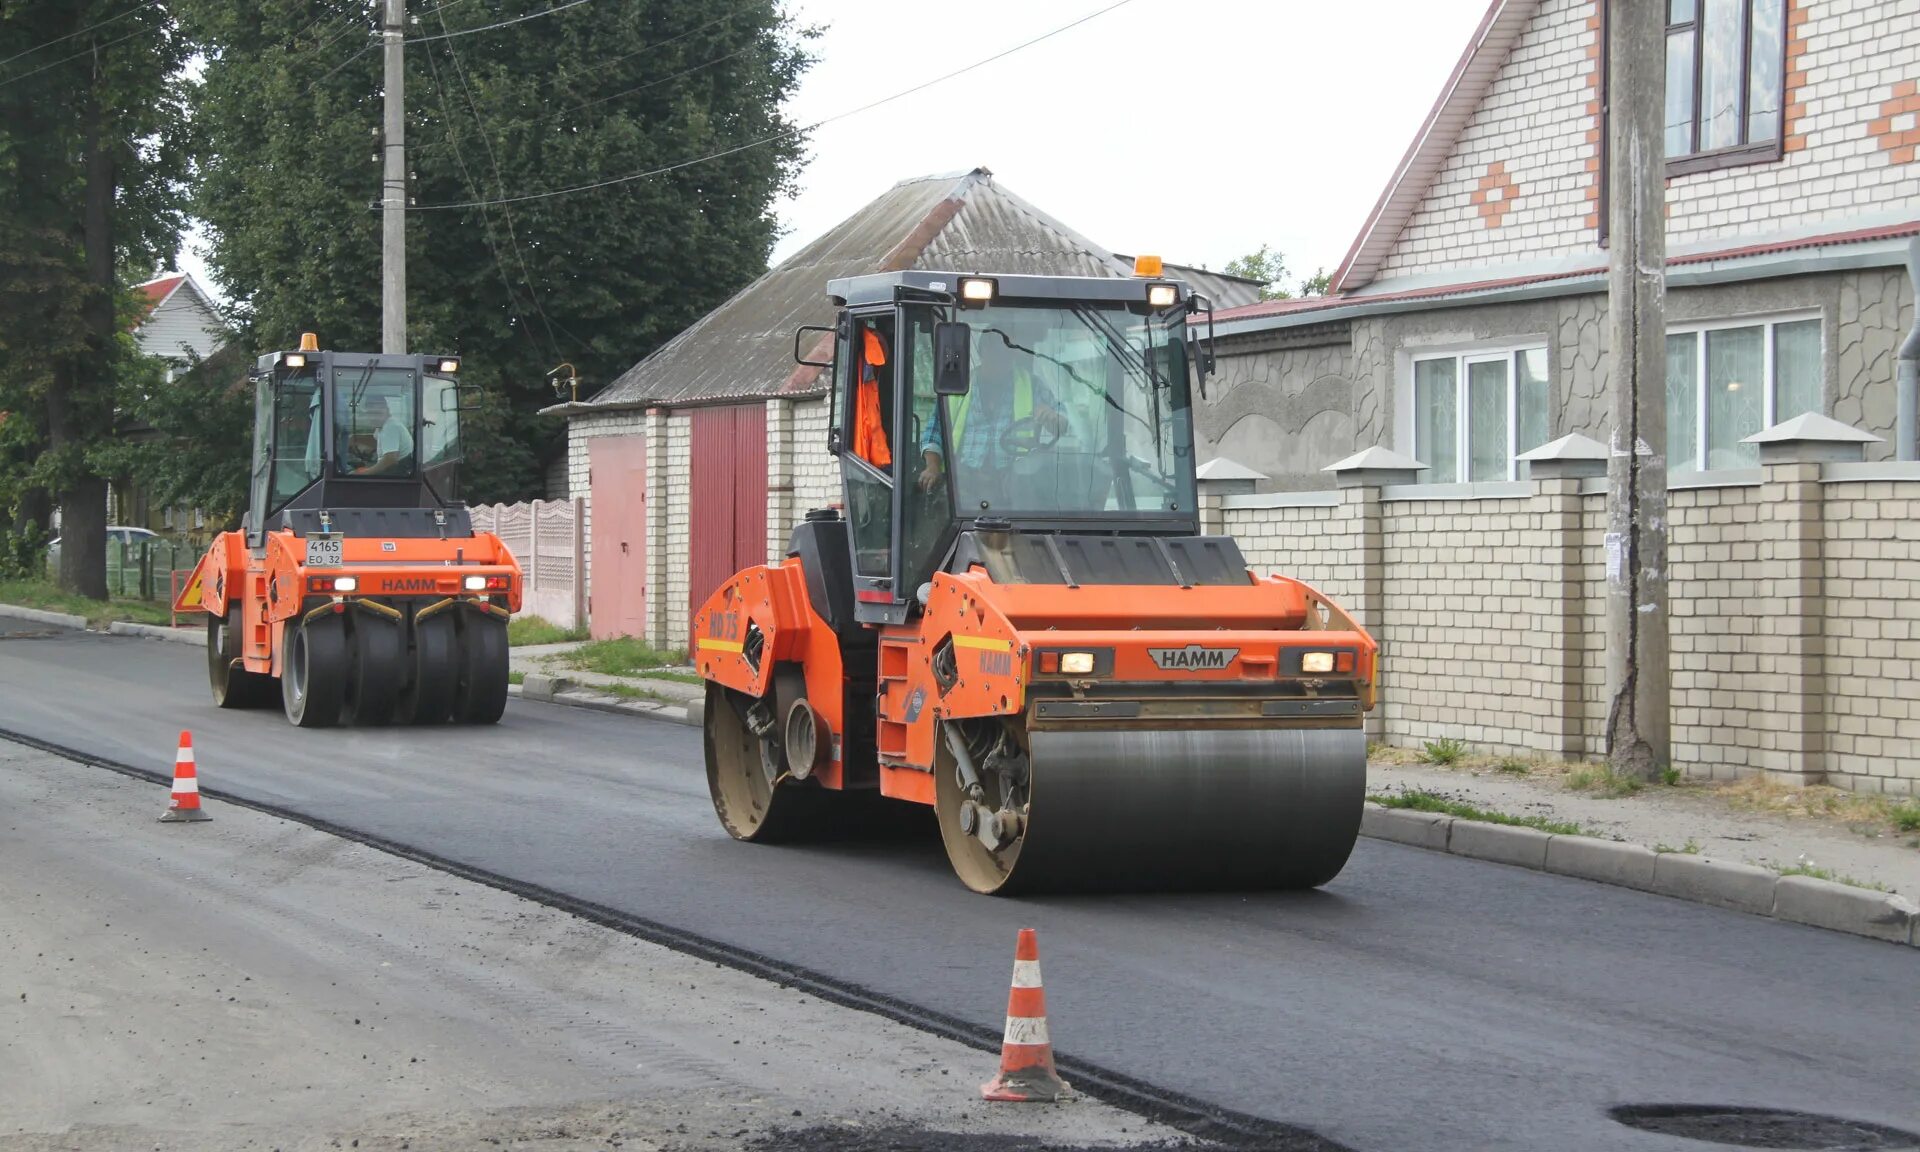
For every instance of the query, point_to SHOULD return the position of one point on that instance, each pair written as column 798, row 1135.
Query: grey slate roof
column 744, row 348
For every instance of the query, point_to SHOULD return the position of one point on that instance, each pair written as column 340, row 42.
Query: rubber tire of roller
column 233, row 686
column 313, row 680
column 429, row 700
column 378, row 660
column 480, row 696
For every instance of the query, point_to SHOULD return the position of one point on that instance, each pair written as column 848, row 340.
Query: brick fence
column 1794, row 593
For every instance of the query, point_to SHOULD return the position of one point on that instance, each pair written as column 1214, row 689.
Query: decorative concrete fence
column 1794, row 601
column 548, row 537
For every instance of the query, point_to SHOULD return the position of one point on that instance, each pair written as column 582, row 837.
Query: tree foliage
column 1269, row 266
column 94, row 151
column 290, row 108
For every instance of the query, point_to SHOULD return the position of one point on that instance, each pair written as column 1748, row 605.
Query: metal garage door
column 728, row 529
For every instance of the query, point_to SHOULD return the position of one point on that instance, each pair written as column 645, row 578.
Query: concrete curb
column 37, row 616
column 194, row 636
column 559, row 690
column 1722, row 883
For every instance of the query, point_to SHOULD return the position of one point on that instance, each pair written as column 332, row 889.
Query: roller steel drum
column 1114, row 810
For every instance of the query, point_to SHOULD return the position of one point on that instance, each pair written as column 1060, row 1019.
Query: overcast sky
column 1193, row 129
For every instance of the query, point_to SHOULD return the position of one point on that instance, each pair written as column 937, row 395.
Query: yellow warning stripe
column 987, row 642
column 721, row 645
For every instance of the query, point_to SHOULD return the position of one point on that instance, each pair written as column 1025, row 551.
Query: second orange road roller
column 357, row 591
column 1013, row 616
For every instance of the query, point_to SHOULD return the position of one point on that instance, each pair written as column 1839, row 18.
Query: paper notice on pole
column 1616, row 557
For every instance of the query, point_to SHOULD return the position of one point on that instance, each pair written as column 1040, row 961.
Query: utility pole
column 1636, row 543
column 393, row 188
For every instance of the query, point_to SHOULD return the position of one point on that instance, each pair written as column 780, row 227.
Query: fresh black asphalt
column 1421, row 1001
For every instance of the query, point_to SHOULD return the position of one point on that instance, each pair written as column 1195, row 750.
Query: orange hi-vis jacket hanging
column 869, row 435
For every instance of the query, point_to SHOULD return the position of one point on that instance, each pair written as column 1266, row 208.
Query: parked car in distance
column 116, row 534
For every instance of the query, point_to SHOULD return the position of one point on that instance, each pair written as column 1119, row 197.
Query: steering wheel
column 1026, row 435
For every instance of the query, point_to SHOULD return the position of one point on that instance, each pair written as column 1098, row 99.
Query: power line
column 493, row 159
column 486, row 223
column 923, row 85
column 82, row 32
column 68, row 59
column 329, row 73
column 491, row 27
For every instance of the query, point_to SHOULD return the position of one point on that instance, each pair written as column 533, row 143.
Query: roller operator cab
column 356, row 590
column 1013, row 616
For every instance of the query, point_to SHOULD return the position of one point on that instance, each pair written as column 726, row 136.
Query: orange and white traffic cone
column 185, row 806
column 1026, row 1053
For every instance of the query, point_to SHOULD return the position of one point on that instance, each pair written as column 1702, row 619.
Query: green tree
column 1267, row 266
column 290, row 107
column 94, row 149
column 1270, row 268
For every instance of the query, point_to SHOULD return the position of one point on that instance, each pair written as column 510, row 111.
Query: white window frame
column 1462, row 357
column 1769, row 387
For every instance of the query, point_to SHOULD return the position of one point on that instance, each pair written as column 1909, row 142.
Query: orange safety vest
column 869, row 435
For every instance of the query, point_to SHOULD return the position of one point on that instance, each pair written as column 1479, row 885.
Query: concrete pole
column 1907, row 375
column 1636, row 543
column 393, row 189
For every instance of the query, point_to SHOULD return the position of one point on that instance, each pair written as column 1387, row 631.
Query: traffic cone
column 1026, row 1054
column 185, row 806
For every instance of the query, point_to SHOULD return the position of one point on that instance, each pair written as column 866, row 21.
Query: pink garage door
column 617, row 476
column 728, row 522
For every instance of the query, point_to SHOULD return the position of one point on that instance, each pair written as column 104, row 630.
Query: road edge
column 1794, row 899
column 40, row 616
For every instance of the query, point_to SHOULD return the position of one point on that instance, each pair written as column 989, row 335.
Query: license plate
column 324, row 552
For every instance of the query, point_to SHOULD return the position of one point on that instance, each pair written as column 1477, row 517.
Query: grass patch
column 1670, row 777
column 1445, row 751
column 1429, row 802
column 631, row 692
column 1604, row 781
column 526, row 631
column 1511, row 765
column 676, row 676
column 1806, row 868
column 516, row 677
column 1906, row 816
column 621, row 656
column 47, row 596
column 1690, row 848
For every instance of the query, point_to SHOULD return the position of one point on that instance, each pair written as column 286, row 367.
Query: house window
column 1726, row 72
column 1474, row 411
column 1727, row 382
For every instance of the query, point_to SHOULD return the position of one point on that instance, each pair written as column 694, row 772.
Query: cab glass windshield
column 373, row 421
column 1073, row 411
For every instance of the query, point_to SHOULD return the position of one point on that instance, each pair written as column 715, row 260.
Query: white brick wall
column 1795, row 609
column 676, row 546
column 816, row 475
column 1534, row 122
column 1844, row 60
column 1852, row 67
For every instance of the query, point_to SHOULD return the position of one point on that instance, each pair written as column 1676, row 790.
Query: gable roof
column 1471, row 77
column 157, row 291
column 744, row 348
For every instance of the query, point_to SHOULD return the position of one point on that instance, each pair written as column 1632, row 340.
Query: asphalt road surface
column 1421, row 1001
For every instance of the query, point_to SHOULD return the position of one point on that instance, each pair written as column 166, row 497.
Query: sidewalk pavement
column 1752, row 822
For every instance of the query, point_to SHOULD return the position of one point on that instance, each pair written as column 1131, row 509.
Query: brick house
column 1467, row 323
column 697, row 461
column 1428, row 440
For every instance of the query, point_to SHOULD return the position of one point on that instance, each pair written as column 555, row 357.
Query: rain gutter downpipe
column 1907, row 374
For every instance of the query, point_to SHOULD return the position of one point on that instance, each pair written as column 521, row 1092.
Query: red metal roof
column 1320, row 303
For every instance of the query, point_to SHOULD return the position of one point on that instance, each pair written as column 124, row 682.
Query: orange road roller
column 1013, row 616
column 356, row 591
